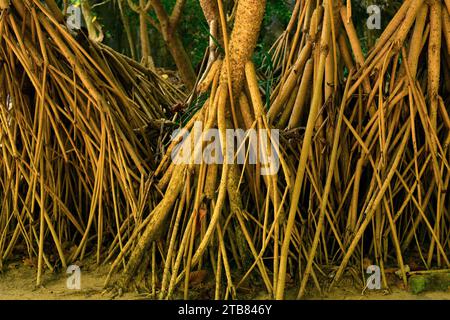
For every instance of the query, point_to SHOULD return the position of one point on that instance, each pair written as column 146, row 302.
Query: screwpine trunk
column 243, row 41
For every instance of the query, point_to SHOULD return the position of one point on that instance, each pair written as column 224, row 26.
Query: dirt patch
column 18, row 281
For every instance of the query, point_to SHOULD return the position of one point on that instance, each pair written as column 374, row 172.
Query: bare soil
column 18, row 282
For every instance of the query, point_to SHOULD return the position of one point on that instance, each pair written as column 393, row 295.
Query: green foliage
column 194, row 30
column 192, row 27
column 278, row 9
column 263, row 61
column 360, row 16
column 276, row 19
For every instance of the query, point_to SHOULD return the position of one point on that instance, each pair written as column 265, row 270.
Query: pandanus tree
column 406, row 136
column 78, row 130
column 363, row 153
column 310, row 58
column 366, row 136
column 202, row 204
column 386, row 181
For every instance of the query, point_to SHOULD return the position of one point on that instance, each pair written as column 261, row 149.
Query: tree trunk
column 147, row 59
column 210, row 10
column 126, row 26
column 243, row 41
column 176, row 48
column 181, row 59
column 245, row 34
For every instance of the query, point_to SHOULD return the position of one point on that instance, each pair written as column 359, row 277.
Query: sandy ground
column 18, row 282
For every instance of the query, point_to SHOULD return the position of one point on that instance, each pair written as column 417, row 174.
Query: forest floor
column 17, row 282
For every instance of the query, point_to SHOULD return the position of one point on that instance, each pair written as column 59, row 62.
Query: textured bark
column 156, row 225
column 243, row 41
column 211, row 13
column 210, row 10
column 434, row 58
column 245, row 34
